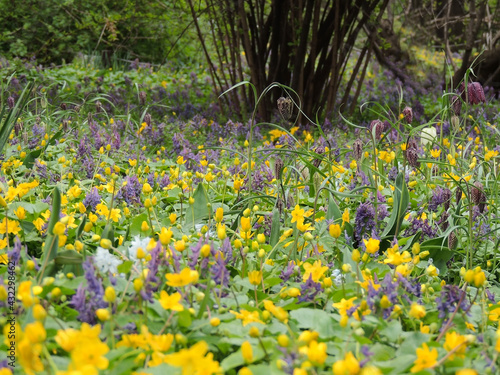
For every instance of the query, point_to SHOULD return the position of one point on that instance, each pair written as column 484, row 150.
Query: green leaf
column 199, row 210
column 79, row 230
column 275, row 228
column 400, row 205
column 51, row 241
column 68, row 257
column 125, row 267
column 184, row 318
column 317, row 320
column 333, row 210
column 7, row 124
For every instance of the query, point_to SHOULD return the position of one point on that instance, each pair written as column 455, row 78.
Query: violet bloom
column 92, row 199
column 451, row 298
column 440, row 197
column 220, row 273
column 86, row 307
column 15, row 254
column 365, row 221
column 130, row 192
column 287, row 272
column 152, row 280
column 309, row 290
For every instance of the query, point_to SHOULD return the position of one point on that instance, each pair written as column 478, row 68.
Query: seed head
column 456, row 105
column 10, row 102
column 357, row 149
column 408, row 114
column 319, row 150
column 458, row 194
column 412, row 157
column 285, row 107
column 147, row 119
column 379, row 128
column 278, row 167
column 475, row 93
column 142, row 97
column 452, row 240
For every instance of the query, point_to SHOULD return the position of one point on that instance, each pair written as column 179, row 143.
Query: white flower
column 428, row 135
column 105, row 261
column 338, row 277
column 137, row 243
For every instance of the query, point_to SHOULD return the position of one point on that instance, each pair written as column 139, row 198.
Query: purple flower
column 220, row 273
column 451, row 298
column 152, row 280
column 287, row 272
column 92, row 199
column 86, row 307
column 309, row 290
column 130, row 192
column 440, row 196
column 365, row 221
column 15, row 254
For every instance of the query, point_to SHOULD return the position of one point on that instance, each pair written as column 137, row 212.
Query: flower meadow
column 140, row 234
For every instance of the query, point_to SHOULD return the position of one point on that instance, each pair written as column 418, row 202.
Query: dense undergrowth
column 145, row 231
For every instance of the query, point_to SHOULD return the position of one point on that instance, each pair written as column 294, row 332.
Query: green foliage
column 58, row 30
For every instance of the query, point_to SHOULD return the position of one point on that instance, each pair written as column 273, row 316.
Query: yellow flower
column 245, row 224
column 247, row 317
column 436, row 153
column 344, row 305
column 219, row 214
column 490, row 154
column 165, row 236
column 297, row 214
column 345, row 216
column 278, row 311
column 180, row 245
column 103, row 314
column 315, row 271
column 35, row 333
column 347, row 366
column 28, row 355
column 316, row 352
column 247, row 352
column 171, row 302
column 20, row 212
column 417, row 311
column 67, row 339
column 334, row 230
column 59, row 228
column 24, row 294
column 255, row 277
column 89, row 351
column 172, row 217
column 466, row 371
column 185, row 277
column 194, row 360
column 454, row 340
column 395, row 258
column 425, row 358
column 372, row 245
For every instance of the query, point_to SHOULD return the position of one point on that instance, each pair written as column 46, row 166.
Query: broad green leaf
column 199, row 210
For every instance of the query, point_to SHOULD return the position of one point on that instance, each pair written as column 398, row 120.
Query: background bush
column 55, row 31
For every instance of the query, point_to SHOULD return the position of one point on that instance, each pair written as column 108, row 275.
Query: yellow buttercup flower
column 255, row 277
column 185, row 277
column 425, row 358
column 347, row 366
column 454, row 340
column 315, row 271
column 171, row 302
column 372, row 245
